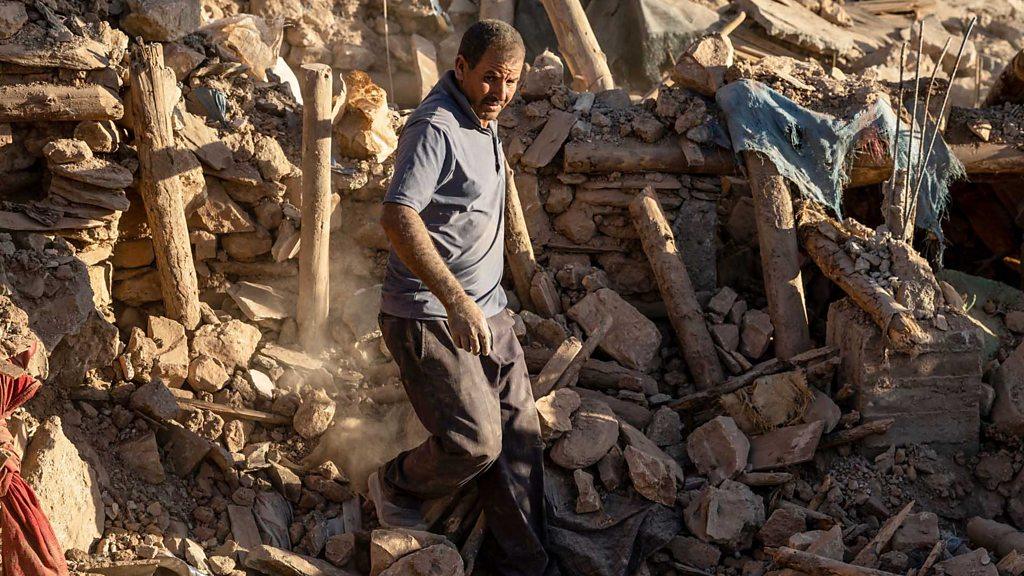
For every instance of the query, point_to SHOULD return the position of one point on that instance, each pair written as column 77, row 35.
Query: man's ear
column 461, row 66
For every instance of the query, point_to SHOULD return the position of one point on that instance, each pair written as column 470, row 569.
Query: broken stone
column 387, row 546
column 556, row 410
column 726, row 335
column 195, row 555
column 781, row 525
column 974, row 563
column 97, row 172
column 918, row 531
column 340, row 548
column 1015, row 321
column 722, row 302
column 365, row 131
column 785, row 446
column 206, row 374
column 66, row 486
column 66, row 151
column 594, row 431
column 612, row 468
column 219, row 214
column 587, row 500
column 142, row 456
column 634, row 340
column 665, row 428
column 181, row 59
column 648, row 128
column 438, row 560
column 232, row 343
column 315, row 414
column 651, row 477
column 727, row 515
column 543, row 77
column 171, row 362
column 270, row 560
column 162, row 20
column 718, row 449
column 12, row 17
column 692, row 552
column 156, row 401
column 770, row 402
column 756, row 334
column 246, row 246
column 702, row 67
column 271, row 161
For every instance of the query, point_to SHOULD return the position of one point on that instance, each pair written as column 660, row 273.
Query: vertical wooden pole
column 577, row 43
column 159, row 185
column 316, row 206
column 504, row 10
column 518, row 248
column 676, row 290
column 780, row 258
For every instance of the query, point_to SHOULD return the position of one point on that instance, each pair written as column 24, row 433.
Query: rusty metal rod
column 924, row 125
column 905, row 194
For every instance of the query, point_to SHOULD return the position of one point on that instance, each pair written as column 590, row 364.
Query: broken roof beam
column 578, row 44
column 44, row 102
column 79, row 54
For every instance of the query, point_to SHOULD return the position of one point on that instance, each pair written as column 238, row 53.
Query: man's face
column 490, row 85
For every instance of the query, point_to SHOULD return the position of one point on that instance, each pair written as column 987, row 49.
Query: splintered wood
column 577, row 42
column 159, row 185
column 518, row 249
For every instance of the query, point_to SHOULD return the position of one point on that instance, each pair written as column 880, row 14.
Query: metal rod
column 945, row 97
column 927, row 103
column 905, row 194
column 896, row 141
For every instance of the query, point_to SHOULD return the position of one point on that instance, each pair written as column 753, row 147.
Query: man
column 443, row 311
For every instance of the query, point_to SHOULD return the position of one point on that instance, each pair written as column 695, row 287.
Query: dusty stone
column 727, row 515
column 171, row 362
column 726, row 335
column 665, row 428
column 438, row 560
column 246, row 246
column 558, row 200
column 181, row 59
column 594, row 431
column 634, row 340
column 340, row 548
column 756, row 334
column 232, row 343
column 206, row 374
column 648, row 128
column 693, row 552
column 365, row 130
column 543, row 77
column 66, row 485
column 702, row 67
column 221, row 565
column 195, row 555
column 824, row 409
column 974, row 563
column 315, row 414
column 556, row 410
column 162, row 20
column 587, row 499
column 576, row 223
column 133, row 253
column 722, row 302
column 918, row 531
column 1015, row 321
column 387, row 546
column 97, row 172
column 612, row 468
column 651, row 477
column 783, row 523
column 271, row 161
column 67, row 151
column 270, row 560
column 142, row 456
column 156, row 401
column 219, row 214
column 718, row 449
column 12, row 17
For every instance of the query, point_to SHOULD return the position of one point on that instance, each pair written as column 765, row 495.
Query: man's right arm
column 413, row 245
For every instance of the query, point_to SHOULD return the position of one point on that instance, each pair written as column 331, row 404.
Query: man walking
column 443, row 311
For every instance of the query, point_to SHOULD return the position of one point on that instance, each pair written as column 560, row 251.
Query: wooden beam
column 814, row 565
column 518, row 249
column 571, row 374
column 559, row 362
column 45, row 102
column 676, row 290
column 159, row 185
column 314, row 265
column 780, row 257
column 236, row 413
column 870, row 555
column 579, row 46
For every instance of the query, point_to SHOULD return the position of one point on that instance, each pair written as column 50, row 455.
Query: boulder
column 66, row 485
column 727, row 515
column 651, row 477
column 162, row 20
column 387, row 546
column 365, row 131
column 66, row 151
column 634, row 340
column 718, row 449
column 594, row 431
column 232, row 343
column 438, row 560
column 556, row 410
column 315, row 414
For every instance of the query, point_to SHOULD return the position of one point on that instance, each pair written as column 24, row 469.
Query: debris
column 785, row 446
column 718, row 449
column 587, row 500
column 651, row 476
column 594, row 431
column 727, row 515
column 633, row 339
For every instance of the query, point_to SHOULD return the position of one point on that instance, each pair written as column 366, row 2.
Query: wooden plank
column 44, row 102
column 79, row 54
column 236, row 413
column 550, row 139
column 579, row 46
column 545, row 382
column 785, row 446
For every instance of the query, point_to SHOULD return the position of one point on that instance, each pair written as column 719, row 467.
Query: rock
column 918, row 531
column 576, row 223
column 648, row 128
column 702, row 67
column 543, row 77
column 221, row 565
column 722, row 302
column 634, row 340
column 612, row 469
column 651, row 477
column 171, row 362
column 665, row 428
column 340, row 548
column 133, row 253
column 219, row 214
column 587, row 499
column 271, row 161
column 232, row 343
column 95, row 171
column 269, row 560
column 439, row 560
column 66, row 151
column 162, row 20
column 207, row 375
column 781, row 525
column 262, row 383
column 142, row 456
column 360, row 311
column 756, row 334
column 727, row 515
column 156, row 401
column 246, row 246
column 66, row 485
column 181, row 59
column 718, row 449
column 315, row 414
column 693, row 552
column 195, row 555
column 726, row 335
column 1015, row 321
column 285, row 481
column 12, row 17
column 365, row 131
column 824, row 409
column 827, row 543
column 556, row 410
column 387, row 546
column 994, row 469
column 594, row 431
column 974, row 563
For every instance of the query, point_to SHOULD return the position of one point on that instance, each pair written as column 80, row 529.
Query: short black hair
column 490, row 34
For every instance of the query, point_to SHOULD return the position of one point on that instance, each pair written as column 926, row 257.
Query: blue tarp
column 811, row 149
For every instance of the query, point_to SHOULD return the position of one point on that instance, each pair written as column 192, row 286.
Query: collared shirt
column 451, row 170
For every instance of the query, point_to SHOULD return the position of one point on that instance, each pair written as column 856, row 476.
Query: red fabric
column 30, row 547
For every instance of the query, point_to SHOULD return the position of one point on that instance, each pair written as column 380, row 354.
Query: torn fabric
column 812, row 149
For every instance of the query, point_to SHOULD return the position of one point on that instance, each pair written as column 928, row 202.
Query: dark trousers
column 483, row 423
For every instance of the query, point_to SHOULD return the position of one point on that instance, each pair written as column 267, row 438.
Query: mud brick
column 933, row 396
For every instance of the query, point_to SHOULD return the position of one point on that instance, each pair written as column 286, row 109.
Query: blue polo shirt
column 450, row 170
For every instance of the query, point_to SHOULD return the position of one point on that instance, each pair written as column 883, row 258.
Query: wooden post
column 815, row 565
column 780, row 259
column 159, row 185
column 576, row 41
column 504, row 10
column 676, row 289
column 316, row 205
column 518, row 248
column 1009, row 86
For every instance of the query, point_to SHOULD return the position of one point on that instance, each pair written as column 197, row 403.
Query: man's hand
column 469, row 327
